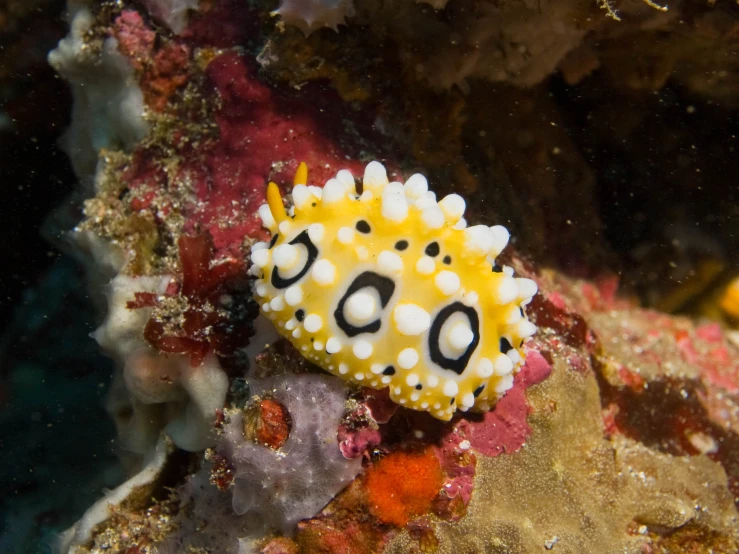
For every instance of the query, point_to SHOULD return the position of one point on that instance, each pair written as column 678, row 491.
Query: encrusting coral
column 390, row 288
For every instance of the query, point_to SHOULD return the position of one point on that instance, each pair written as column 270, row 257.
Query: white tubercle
column 460, row 337
column 394, row 203
column 447, row 282
column 302, row 197
column 411, row 319
column 527, row 288
column 407, row 358
column 425, row 265
column 316, row 232
column 362, row 349
column 375, row 176
column 294, row 295
column 426, row 199
column 503, row 365
column 360, row 307
column 260, row 258
column 502, row 236
column 312, row 323
column 461, row 224
column 507, row 290
column 285, row 256
column 432, row 217
column 346, row 178
column 485, row 368
column 324, row 272
column 389, row 262
column 265, row 215
column 333, row 345
column 316, row 191
column 453, row 206
column 334, row 191
column 416, row 186
column 345, row 235
column 526, row 329
column 478, row 240
column 261, row 245
column 285, row 226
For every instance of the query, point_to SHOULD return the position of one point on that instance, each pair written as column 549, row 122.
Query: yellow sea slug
column 390, row 288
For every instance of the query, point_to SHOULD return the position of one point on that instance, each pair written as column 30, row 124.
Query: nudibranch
column 390, row 288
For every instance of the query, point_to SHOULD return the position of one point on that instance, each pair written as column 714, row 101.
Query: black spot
column 521, row 310
column 497, row 268
column 478, row 391
column 281, row 283
column 401, row 245
column 505, row 345
column 389, row 370
column 520, row 344
column 312, row 339
column 300, row 315
column 385, row 288
column 457, row 365
column 314, row 204
column 452, row 401
column 447, row 260
column 433, row 249
column 419, row 386
column 363, row 226
column 274, row 240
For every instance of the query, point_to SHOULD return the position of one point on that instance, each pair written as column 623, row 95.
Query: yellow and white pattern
column 390, row 288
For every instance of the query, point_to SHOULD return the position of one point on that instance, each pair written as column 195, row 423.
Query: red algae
column 273, row 426
column 403, row 485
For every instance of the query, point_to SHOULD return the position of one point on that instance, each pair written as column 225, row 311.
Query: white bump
column 460, row 336
column 333, row 191
column 360, row 306
column 425, row 265
column 302, row 196
column 508, row 270
column 375, row 176
column 408, row 358
column 526, row 329
column 324, row 272
column 514, row 315
column 447, row 282
column 260, row 258
column 359, row 376
column 432, row 381
column 471, row 298
column 285, row 256
column 437, row 406
column 468, row 400
column 397, row 391
column 377, row 368
column 317, row 345
column 277, row 303
column 411, row 319
column 285, row 226
column 432, row 217
column 424, row 405
column 345, row 235
column 265, row 308
column 478, row 240
column 316, row 191
column 265, row 215
column 461, row 224
column 291, row 324
column 312, row 323
column 394, row 203
column 453, row 206
column 502, row 236
column 261, row 245
column 333, row 345
column 294, row 295
column 505, row 384
column 527, row 288
column 411, row 379
column 261, row 289
column 343, row 369
column 514, row 356
column 346, row 178
column 414, row 398
column 389, row 262
column 362, row 253
column 485, row 368
column 427, row 199
column 386, row 380
column 503, row 365
column 451, row 388
column 507, row 290
column 366, row 196
column 297, row 333
column 362, row 349
column 316, row 232
column 416, row 186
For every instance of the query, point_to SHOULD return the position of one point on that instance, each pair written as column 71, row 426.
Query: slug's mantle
column 390, row 288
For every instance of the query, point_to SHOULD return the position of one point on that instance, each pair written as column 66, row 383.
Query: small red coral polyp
column 403, row 485
column 204, row 323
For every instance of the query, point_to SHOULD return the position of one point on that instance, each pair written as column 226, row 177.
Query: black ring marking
column 385, row 288
column 363, row 227
column 505, row 345
column 433, row 249
column 274, row 240
column 389, row 370
column 300, row 315
column 457, row 365
column 401, row 245
column 478, row 391
column 447, row 260
column 282, row 283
